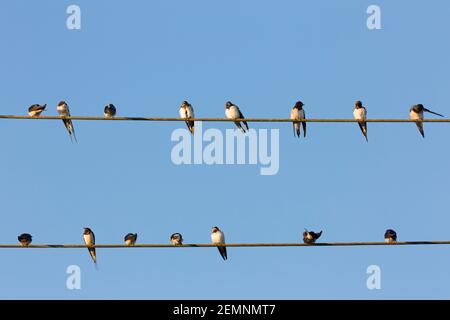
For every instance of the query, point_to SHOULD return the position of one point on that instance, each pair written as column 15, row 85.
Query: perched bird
column 130, row 239
column 390, row 236
column 416, row 113
column 63, row 110
column 35, row 110
column 176, row 239
column 109, row 111
column 360, row 113
column 89, row 240
column 217, row 237
column 25, row 239
column 310, row 237
column 187, row 112
column 232, row 112
column 298, row 113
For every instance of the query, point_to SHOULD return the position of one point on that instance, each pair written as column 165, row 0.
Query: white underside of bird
column 218, row 237
column 88, row 239
column 63, row 111
column 232, row 112
column 186, row 113
column 359, row 114
column 297, row 114
column 415, row 115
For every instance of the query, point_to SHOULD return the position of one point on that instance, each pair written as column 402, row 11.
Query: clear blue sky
column 148, row 56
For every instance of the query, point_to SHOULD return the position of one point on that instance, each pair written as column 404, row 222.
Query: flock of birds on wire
column 217, row 238
column 232, row 111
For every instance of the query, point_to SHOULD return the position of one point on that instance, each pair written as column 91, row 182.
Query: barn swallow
column 187, row 112
column 360, row 113
column 217, row 237
column 298, row 113
column 390, row 236
column 109, row 111
column 25, row 239
column 63, row 110
column 232, row 112
column 130, row 239
column 310, row 237
column 35, row 110
column 176, row 239
column 89, row 240
column 416, row 113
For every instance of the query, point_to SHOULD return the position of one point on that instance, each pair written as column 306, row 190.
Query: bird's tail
column 245, row 124
column 93, row 255
column 190, row 125
column 238, row 124
column 223, row 252
column 363, row 127
column 296, row 127
column 420, row 127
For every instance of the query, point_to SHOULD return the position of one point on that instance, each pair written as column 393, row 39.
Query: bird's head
column 228, row 104
column 215, row 229
column 62, row 103
column 358, row 104
column 87, row 230
column 299, row 105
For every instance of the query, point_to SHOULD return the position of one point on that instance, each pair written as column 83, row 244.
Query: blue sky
column 148, row 56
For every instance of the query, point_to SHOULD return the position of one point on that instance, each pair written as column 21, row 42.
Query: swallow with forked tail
column 232, row 111
column 187, row 112
column 298, row 113
column 360, row 113
column 218, row 237
column 89, row 240
column 416, row 113
column 63, row 110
